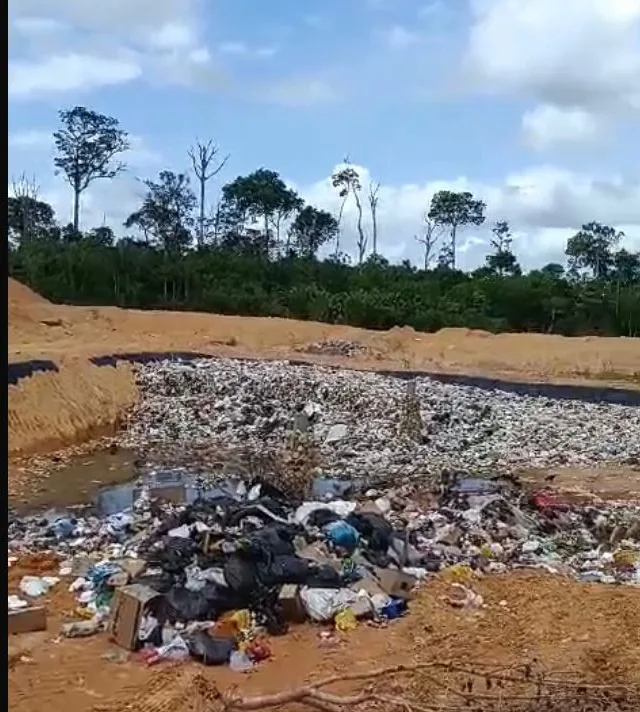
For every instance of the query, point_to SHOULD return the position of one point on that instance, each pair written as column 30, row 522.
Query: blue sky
column 531, row 104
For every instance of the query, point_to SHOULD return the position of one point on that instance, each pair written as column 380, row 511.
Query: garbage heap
column 215, row 578
column 359, row 421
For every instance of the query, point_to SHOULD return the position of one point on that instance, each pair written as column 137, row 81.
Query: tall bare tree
column 347, row 180
column 431, row 233
column 374, row 189
column 205, row 165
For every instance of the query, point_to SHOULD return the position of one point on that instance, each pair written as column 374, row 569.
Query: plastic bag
column 342, row 535
column 208, row 650
column 345, row 621
column 340, row 507
column 322, row 604
column 35, row 586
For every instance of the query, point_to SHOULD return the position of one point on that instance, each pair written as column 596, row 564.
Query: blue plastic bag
column 342, row 535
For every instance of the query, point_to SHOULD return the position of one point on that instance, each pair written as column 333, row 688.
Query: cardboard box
column 292, row 607
column 27, row 620
column 134, row 567
column 395, row 583
column 128, row 606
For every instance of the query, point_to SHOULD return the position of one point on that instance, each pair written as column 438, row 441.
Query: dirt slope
column 63, row 407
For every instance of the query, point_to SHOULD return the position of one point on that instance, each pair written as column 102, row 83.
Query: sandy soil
column 49, row 410
column 589, row 630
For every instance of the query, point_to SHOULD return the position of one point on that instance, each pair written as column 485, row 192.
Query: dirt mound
column 22, row 296
column 81, row 401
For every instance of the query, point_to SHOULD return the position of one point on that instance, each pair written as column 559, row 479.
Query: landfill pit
column 307, row 495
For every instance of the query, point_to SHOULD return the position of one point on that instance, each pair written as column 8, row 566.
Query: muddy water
column 78, row 482
column 110, row 482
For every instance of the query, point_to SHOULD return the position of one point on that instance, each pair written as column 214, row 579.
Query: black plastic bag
column 296, row 570
column 209, row 650
column 374, row 528
column 274, row 541
column 241, row 574
column 321, row 517
column 180, row 604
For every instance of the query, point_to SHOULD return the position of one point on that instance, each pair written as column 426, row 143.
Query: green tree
column 29, row 219
column 166, row 215
column 553, row 270
column 502, row 261
column 626, row 266
column 101, row 236
column 311, row 229
column 592, row 249
column 455, row 210
column 261, row 197
column 86, row 146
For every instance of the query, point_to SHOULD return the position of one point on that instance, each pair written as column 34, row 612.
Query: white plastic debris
column 322, row 604
column 16, row 603
column 35, row 586
column 340, row 507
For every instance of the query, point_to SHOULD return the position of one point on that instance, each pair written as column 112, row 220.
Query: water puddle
column 110, row 482
column 78, row 482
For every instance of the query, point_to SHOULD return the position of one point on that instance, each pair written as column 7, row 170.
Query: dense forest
column 260, row 250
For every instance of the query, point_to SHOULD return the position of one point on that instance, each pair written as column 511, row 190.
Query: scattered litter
column 35, row 586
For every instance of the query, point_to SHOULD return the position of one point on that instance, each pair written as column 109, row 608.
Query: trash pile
column 357, row 420
column 216, row 578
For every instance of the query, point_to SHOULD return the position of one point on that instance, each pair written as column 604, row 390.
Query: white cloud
column 571, row 55
column 172, row 35
column 104, row 202
column 399, row 37
column 119, row 16
column 241, row 49
column 71, row 72
column 547, row 125
column 105, row 43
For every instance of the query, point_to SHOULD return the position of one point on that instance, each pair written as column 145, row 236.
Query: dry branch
column 560, row 692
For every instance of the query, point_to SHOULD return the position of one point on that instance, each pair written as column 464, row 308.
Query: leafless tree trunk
column 362, row 237
column 205, row 166
column 430, row 236
column 25, row 190
column 374, row 188
column 340, row 214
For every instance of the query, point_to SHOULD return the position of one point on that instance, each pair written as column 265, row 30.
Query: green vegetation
column 256, row 253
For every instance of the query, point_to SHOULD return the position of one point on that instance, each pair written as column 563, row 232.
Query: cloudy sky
column 533, row 105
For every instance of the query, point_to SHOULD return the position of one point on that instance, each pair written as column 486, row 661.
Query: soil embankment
column 68, row 399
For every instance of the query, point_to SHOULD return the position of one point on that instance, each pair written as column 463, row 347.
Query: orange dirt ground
column 589, row 629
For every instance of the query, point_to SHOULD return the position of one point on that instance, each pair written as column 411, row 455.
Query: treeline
column 256, row 253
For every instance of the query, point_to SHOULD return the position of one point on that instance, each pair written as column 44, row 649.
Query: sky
column 533, row 105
